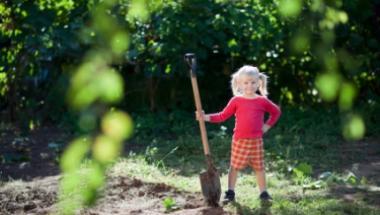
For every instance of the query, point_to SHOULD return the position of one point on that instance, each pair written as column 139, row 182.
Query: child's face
column 248, row 85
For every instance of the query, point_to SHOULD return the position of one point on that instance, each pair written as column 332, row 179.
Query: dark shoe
column 229, row 196
column 264, row 196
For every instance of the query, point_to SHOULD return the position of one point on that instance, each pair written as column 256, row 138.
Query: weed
column 169, row 204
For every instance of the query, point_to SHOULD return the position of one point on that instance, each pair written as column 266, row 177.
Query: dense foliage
column 42, row 40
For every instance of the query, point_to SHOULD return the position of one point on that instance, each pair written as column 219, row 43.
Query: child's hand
column 266, row 127
column 202, row 116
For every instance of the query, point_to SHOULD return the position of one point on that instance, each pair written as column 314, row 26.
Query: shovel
column 210, row 181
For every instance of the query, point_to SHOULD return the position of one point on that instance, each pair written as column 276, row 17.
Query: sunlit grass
column 289, row 198
column 137, row 167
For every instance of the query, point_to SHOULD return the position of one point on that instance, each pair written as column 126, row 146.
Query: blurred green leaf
column 2, row 8
column 347, row 96
column 104, row 24
column 354, row 128
column 301, row 42
column 110, row 86
column 94, row 80
column 117, row 125
column 106, row 149
column 328, row 85
column 290, row 8
column 120, row 42
column 138, row 10
column 69, row 195
column 74, row 154
column 94, row 178
column 83, row 91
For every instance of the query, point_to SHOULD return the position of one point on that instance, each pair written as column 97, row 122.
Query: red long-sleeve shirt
column 249, row 115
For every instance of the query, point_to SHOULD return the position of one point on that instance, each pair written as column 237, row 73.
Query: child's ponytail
column 263, row 80
column 234, row 84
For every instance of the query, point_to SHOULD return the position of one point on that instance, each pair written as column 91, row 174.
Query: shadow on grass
column 184, row 163
column 264, row 209
column 352, row 194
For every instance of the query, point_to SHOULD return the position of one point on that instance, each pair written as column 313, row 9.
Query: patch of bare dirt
column 37, row 197
column 133, row 196
column 32, row 156
column 29, row 175
column 121, row 195
column 352, row 194
column 363, row 159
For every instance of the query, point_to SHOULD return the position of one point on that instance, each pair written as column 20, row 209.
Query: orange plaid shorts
column 247, row 152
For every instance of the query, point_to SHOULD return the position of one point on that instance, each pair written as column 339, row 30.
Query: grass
column 167, row 148
column 172, row 140
column 289, row 198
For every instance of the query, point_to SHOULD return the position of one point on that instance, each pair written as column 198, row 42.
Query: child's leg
column 264, row 195
column 257, row 163
column 232, row 176
column 230, row 193
column 260, row 177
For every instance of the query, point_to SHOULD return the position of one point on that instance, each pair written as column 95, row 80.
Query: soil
column 122, row 196
column 29, row 167
column 32, row 159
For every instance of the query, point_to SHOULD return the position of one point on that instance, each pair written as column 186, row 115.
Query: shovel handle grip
column 191, row 61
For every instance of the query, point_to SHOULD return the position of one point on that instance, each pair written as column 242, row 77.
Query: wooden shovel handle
column 190, row 60
column 198, row 106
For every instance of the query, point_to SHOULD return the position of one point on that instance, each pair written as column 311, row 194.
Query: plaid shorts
column 247, row 152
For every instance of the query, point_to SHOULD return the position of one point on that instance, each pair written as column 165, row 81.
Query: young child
column 249, row 109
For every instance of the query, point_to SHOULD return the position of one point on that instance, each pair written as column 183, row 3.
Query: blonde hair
column 251, row 71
